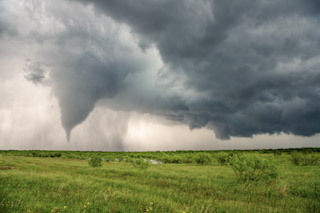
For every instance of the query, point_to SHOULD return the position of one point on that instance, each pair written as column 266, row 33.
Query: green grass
column 44, row 184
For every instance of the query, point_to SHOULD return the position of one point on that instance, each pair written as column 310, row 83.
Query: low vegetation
column 252, row 167
column 183, row 181
column 223, row 158
column 304, row 159
column 141, row 163
column 203, row 158
column 95, row 161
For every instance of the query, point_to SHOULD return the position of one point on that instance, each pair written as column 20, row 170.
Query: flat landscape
column 47, row 181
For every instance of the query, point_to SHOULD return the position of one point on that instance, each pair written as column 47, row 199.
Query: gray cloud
column 237, row 67
column 82, row 57
column 35, row 72
column 258, row 62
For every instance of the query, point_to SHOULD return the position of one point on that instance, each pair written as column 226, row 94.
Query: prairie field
column 63, row 181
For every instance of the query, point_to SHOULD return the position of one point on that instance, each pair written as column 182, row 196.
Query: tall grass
column 61, row 184
column 304, row 159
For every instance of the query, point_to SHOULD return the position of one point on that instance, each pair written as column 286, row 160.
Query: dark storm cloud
column 80, row 84
column 238, row 67
column 82, row 57
column 256, row 61
column 6, row 28
column 2, row 28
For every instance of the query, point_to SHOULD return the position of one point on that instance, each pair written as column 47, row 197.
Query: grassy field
column 61, row 183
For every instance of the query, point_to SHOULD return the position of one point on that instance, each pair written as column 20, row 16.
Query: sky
column 147, row 75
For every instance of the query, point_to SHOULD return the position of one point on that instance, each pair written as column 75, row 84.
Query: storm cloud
column 257, row 62
column 238, row 67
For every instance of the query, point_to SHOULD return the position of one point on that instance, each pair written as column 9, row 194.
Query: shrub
column 203, row 158
column 166, row 159
column 120, row 158
column 55, row 155
column 172, row 159
column 140, row 163
column 252, row 167
column 222, row 158
column 187, row 159
column 277, row 152
column 176, row 159
column 95, row 161
column 304, row 159
column 295, row 157
column 126, row 158
column 107, row 159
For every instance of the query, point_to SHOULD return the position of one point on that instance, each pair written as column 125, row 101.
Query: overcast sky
column 159, row 75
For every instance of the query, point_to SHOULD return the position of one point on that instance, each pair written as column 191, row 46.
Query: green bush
column 252, row 167
column 303, row 159
column 107, row 159
column 187, row 159
column 203, row 158
column 166, row 159
column 176, row 159
column 55, row 155
column 222, row 158
column 172, row 159
column 95, row 161
column 140, row 163
column 126, row 158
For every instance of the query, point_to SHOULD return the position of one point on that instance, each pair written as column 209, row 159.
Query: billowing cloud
column 237, row 67
column 82, row 57
column 257, row 62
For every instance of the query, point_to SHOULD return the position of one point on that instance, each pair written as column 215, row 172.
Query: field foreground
column 60, row 184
